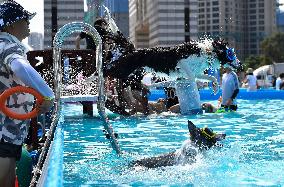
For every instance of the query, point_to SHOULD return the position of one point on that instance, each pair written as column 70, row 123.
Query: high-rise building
column 120, row 14
column 58, row 13
column 243, row 23
column 35, row 40
column 163, row 22
column 280, row 21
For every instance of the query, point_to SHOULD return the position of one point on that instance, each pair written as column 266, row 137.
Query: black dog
column 200, row 140
column 167, row 59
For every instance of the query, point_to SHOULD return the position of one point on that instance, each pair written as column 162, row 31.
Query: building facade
column 57, row 13
column 163, row 22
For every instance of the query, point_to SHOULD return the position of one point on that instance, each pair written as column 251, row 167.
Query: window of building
column 261, row 28
column 215, row 21
column 253, row 17
column 215, row 9
column 253, row 29
column 215, row 3
column 252, row 5
column 261, row 22
column 261, row 5
column 215, row 27
column 252, row 11
column 215, row 15
column 261, row 10
column 252, row 22
column 261, row 16
column 253, row 46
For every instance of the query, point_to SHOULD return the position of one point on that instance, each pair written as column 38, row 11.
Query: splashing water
column 111, row 23
column 60, row 36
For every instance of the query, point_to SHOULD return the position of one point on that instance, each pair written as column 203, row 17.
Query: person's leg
column 7, row 171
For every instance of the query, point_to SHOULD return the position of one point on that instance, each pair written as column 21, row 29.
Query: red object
column 17, row 89
column 16, row 182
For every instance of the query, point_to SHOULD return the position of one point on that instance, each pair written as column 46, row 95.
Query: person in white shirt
column 15, row 70
column 250, row 80
column 279, row 80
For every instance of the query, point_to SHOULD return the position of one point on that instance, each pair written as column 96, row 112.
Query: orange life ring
column 17, row 89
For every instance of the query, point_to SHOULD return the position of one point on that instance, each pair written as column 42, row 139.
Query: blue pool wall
column 207, row 94
column 52, row 174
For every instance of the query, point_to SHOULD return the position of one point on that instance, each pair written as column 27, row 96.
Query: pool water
column 252, row 155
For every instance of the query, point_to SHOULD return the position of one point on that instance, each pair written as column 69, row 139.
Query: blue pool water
column 253, row 152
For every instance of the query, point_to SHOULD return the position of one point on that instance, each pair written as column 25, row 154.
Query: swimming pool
column 253, row 152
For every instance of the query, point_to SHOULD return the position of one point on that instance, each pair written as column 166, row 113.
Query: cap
column 11, row 12
column 249, row 70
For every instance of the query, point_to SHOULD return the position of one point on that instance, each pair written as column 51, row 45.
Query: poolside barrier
column 66, row 30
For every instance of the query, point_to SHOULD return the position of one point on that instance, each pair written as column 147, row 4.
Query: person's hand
column 45, row 106
column 229, row 102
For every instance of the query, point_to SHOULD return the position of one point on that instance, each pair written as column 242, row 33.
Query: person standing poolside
column 15, row 70
column 279, row 81
column 250, row 80
column 230, row 89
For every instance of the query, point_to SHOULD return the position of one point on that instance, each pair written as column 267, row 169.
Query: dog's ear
column 191, row 127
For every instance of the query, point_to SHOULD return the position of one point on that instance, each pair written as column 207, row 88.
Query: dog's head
column 204, row 138
column 226, row 55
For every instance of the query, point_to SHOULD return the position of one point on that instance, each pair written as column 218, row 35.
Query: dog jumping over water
column 201, row 139
column 191, row 57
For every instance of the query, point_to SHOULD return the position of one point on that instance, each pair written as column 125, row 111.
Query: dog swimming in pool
column 201, row 139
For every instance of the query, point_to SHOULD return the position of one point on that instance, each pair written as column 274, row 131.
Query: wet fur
column 162, row 59
column 172, row 158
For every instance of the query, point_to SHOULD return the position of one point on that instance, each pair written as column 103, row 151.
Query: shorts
column 10, row 150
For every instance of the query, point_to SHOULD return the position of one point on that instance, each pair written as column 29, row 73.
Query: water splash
column 111, row 23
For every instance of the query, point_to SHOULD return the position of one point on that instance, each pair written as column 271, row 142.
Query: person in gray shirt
column 230, row 89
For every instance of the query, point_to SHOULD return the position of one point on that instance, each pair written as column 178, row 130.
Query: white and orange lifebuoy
column 7, row 93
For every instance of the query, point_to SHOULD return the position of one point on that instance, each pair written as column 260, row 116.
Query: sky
column 36, row 24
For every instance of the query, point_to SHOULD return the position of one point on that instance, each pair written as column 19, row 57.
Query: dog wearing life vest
column 201, row 139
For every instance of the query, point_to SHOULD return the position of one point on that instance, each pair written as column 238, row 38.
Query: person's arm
column 30, row 77
column 245, row 80
column 77, row 42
